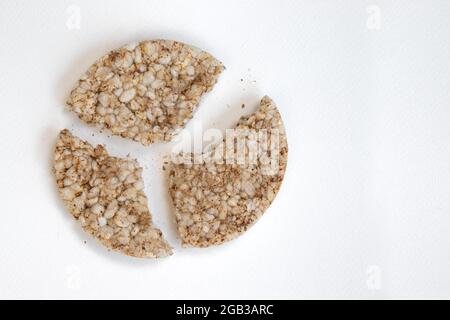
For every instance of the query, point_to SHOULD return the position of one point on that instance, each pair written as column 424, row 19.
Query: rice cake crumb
column 216, row 202
column 105, row 194
column 145, row 91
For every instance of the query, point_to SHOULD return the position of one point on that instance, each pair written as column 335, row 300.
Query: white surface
column 364, row 211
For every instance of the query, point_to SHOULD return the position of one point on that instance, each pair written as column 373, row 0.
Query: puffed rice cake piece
column 145, row 91
column 105, row 194
column 216, row 202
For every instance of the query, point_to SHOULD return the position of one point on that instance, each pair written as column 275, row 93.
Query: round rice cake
column 215, row 201
column 145, row 91
column 105, row 194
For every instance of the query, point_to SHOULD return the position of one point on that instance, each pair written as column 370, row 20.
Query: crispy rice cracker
column 105, row 194
column 215, row 202
column 145, row 91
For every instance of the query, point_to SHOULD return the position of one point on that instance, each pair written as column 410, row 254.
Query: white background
column 364, row 90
